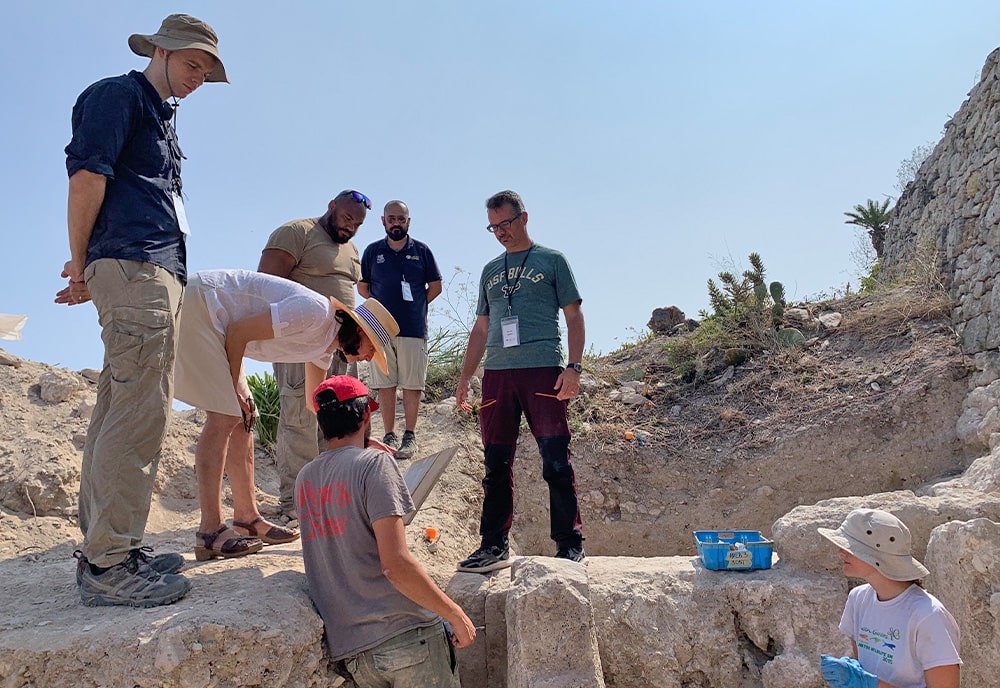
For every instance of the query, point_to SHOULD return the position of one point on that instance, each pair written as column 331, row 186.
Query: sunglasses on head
column 361, row 198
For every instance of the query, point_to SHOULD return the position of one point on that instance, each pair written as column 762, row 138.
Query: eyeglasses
column 505, row 225
column 361, row 198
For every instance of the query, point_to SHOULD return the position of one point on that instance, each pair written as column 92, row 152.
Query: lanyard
column 508, row 292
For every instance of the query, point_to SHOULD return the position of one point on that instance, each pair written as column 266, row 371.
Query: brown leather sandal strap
column 248, row 526
column 208, row 538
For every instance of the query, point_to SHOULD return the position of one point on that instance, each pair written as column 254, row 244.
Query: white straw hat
column 379, row 326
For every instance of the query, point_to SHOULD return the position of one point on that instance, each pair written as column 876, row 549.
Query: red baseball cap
column 345, row 388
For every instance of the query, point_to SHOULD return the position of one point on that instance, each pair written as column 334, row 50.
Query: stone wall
column 947, row 223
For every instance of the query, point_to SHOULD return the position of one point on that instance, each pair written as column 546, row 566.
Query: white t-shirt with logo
column 900, row 638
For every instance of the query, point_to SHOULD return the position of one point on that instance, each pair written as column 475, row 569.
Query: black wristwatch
column 575, row 366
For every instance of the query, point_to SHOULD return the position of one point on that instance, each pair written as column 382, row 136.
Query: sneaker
column 571, row 552
column 169, row 562
column 391, row 440
column 486, row 559
column 409, row 446
column 132, row 583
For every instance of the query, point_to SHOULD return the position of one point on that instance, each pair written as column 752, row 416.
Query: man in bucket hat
column 376, row 600
column 902, row 635
column 127, row 234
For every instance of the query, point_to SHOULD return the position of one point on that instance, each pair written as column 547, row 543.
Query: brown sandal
column 275, row 535
column 237, row 546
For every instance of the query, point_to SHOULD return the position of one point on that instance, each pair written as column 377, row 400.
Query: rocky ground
column 868, row 405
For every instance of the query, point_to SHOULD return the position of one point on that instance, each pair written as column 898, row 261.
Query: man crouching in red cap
column 373, row 595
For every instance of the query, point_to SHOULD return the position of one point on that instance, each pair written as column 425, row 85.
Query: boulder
column 964, row 561
column 800, row 546
column 664, row 320
column 552, row 641
column 9, row 359
column 235, row 628
column 56, row 386
column 983, row 475
column 831, row 319
column 667, row 622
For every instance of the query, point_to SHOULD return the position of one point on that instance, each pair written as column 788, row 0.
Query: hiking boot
column 169, row 562
column 132, row 583
column 486, row 559
column 408, row 448
column 390, row 440
column 571, row 552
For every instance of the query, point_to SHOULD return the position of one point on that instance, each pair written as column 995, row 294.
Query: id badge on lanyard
column 510, row 331
column 182, row 219
column 407, row 294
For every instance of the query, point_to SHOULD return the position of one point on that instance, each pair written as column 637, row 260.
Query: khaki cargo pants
column 138, row 305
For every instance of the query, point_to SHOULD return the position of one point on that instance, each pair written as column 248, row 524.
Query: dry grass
column 774, row 389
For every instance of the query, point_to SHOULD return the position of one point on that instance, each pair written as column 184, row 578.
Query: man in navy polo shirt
column 401, row 273
column 127, row 232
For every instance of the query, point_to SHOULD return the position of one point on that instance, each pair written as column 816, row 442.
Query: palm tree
column 875, row 219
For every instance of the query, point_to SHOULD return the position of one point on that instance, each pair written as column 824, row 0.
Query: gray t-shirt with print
column 536, row 284
column 338, row 495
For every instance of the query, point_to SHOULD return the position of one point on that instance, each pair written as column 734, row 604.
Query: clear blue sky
column 650, row 140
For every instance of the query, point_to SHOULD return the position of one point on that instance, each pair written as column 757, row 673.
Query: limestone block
column 793, row 671
column 801, row 547
column 91, row 374
column 588, row 383
column 831, row 320
column 9, row 359
column 57, row 386
column 236, row 627
column 552, row 642
column 666, row 622
column 982, row 476
column 964, row 560
column 967, row 425
column 484, row 599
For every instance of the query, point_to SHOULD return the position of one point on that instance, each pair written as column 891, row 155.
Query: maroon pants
column 506, row 395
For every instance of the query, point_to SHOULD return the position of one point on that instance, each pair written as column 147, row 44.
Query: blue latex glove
column 846, row 673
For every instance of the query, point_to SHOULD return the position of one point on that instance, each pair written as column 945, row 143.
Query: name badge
column 407, row 294
column 511, row 333
column 182, row 219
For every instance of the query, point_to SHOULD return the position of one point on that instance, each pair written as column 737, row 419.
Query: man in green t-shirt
column 517, row 327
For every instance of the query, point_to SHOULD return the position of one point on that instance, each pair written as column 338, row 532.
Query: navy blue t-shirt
column 384, row 270
column 121, row 130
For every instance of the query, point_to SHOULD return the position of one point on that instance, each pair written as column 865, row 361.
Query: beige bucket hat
column 180, row 32
column 378, row 324
column 880, row 539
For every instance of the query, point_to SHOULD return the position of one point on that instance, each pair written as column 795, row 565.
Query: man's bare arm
column 275, row 261
column 86, row 195
column 407, row 576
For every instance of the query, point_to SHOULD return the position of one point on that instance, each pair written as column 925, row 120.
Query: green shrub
column 750, row 309
column 445, row 354
column 451, row 314
column 268, row 400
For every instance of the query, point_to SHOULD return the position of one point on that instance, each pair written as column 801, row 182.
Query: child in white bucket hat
column 903, row 636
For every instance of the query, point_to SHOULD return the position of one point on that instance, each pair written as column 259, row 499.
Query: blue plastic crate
column 733, row 550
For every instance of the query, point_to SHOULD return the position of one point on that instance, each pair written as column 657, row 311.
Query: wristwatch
column 575, row 366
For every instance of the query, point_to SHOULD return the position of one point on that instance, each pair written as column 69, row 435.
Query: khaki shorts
column 201, row 374
column 407, row 358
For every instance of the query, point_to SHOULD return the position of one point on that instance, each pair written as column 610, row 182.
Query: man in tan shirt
column 317, row 253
